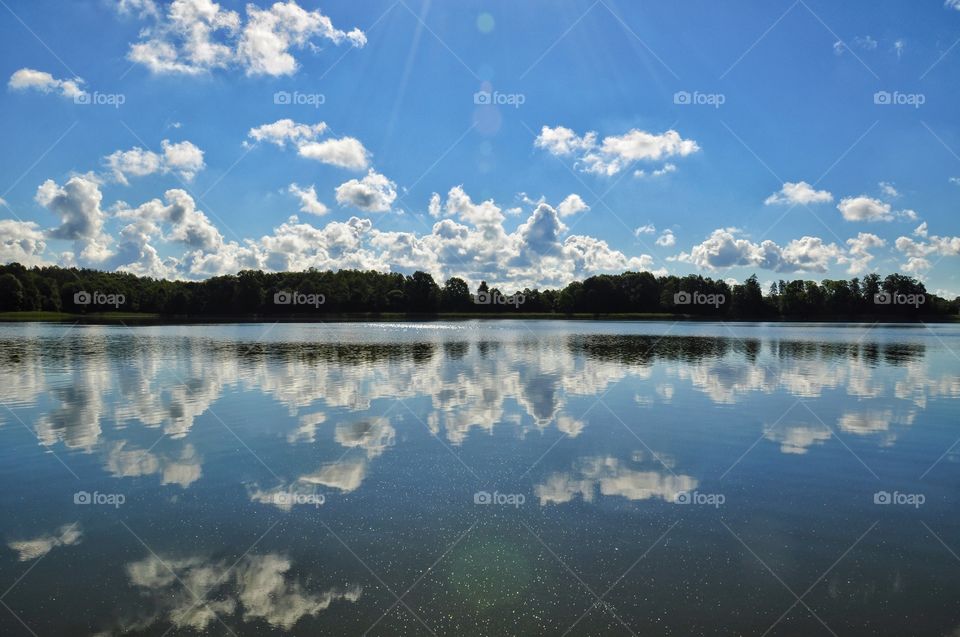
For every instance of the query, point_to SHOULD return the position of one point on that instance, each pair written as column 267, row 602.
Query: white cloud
column 264, row 47
column 21, row 242
column 955, row 180
column 285, row 131
column 888, row 189
column 373, row 193
column 798, row 194
column 952, row 4
column 660, row 172
column 860, row 257
column 723, row 249
column 864, row 208
column 647, row 229
column 308, row 200
column 563, row 141
column 77, row 203
column 31, row 79
column 182, row 158
column 197, row 36
column 925, row 245
column 346, row 152
column 571, row 205
column 615, row 152
column 667, row 240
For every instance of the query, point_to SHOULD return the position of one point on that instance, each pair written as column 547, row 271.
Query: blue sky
column 804, row 139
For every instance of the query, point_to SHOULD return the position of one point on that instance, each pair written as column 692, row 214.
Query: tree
column 11, row 293
column 455, row 295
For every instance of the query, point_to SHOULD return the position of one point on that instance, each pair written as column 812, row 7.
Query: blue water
column 480, row 478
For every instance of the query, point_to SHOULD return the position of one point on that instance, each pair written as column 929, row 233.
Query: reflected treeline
column 645, row 349
column 339, row 353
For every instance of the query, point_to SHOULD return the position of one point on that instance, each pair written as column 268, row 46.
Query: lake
column 487, row 478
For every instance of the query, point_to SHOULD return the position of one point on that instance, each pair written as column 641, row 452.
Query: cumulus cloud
column 467, row 240
column 724, row 249
column 308, row 200
column 183, row 158
column 860, row 257
column 196, row 36
column 616, row 152
column 864, row 208
column 571, row 205
column 77, row 203
column 373, row 193
column 924, row 245
column 666, row 239
column 31, row 79
column 798, row 194
column 346, row 152
column 284, row 131
column 22, row 242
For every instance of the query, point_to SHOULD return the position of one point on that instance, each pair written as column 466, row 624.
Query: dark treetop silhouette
column 56, row 289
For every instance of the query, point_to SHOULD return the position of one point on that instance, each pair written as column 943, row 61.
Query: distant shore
column 388, row 317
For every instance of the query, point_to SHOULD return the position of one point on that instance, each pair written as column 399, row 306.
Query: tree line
column 252, row 292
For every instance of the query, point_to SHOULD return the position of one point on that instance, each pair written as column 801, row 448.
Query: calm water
column 480, row 478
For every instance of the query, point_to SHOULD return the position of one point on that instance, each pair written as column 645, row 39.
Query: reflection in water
column 194, row 592
column 31, row 549
column 344, row 421
column 614, row 478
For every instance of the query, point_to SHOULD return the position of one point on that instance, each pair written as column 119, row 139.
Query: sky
column 522, row 143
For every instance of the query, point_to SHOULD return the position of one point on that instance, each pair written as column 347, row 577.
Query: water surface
column 480, row 478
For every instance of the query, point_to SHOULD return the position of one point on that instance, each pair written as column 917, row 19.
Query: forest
column 344, row 292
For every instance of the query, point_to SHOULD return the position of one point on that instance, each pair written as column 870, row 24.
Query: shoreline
column 107, row 318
